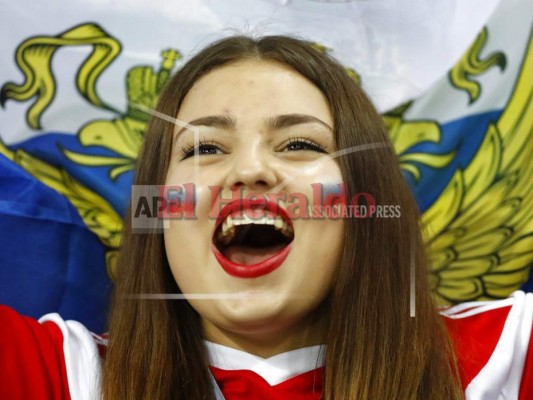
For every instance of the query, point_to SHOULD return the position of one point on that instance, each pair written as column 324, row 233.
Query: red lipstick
column 254, row 270
column 276, row 254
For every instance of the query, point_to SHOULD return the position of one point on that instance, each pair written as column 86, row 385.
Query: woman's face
column 254, row 267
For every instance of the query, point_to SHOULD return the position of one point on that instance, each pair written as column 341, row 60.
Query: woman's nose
column 252, row 170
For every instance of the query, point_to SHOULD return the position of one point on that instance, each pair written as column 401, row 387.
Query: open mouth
column 252, row 238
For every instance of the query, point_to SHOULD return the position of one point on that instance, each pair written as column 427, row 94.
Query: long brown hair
column 375, row 350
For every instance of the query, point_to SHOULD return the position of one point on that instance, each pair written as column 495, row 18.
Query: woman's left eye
column 302, row 144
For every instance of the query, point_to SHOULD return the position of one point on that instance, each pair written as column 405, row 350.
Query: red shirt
column 295, row 375
column 56, row 359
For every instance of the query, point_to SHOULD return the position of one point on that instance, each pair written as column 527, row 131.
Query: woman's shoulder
column 493, row 345
column 48, row 358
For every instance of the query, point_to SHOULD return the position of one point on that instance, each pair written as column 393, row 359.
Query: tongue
column 251, row 255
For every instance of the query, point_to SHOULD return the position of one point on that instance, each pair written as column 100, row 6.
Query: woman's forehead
column 252, row 89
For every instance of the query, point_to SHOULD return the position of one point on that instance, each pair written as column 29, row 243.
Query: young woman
column 281, row 304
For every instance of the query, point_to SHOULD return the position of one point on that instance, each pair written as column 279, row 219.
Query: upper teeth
column 227, row 233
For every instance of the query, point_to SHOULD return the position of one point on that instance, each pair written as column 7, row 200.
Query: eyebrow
column 287, row 120
column 274, row 123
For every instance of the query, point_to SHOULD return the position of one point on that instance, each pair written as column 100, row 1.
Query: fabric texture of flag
column 454, row 83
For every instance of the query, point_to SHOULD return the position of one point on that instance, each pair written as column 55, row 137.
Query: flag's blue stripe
column 50, row 262
column 464, row 136
column 48, row 147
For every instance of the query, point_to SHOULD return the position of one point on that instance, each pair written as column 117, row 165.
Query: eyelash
column 312, row 145
column 188, row 151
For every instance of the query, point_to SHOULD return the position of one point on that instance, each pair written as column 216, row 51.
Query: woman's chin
column 254, row 308
column 253, row 315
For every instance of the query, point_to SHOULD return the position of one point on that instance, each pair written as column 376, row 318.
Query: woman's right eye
column 200, row 149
